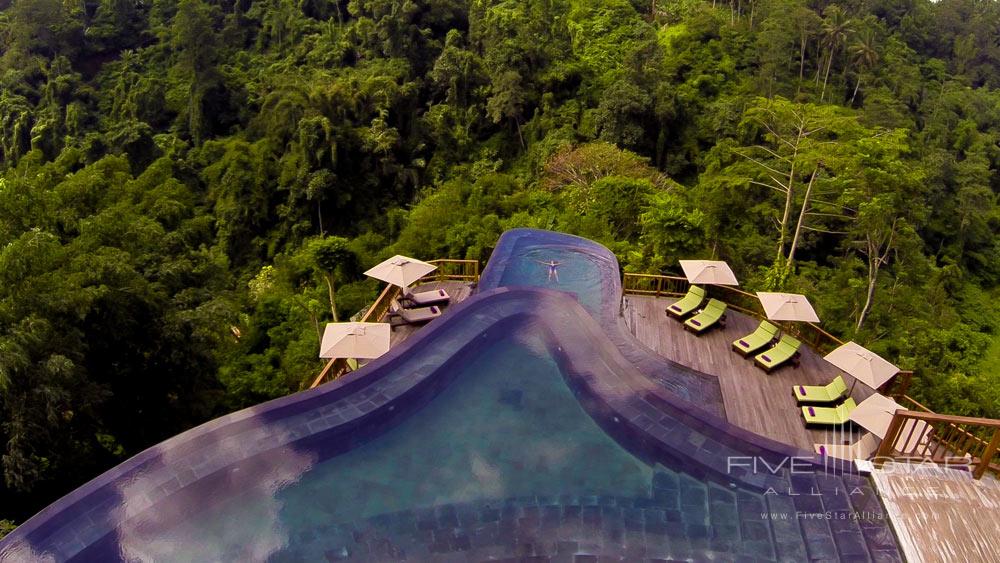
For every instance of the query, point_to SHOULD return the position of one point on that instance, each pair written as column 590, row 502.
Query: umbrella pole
column 851, row 392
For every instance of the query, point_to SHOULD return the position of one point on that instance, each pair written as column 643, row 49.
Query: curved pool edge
column 651, row 364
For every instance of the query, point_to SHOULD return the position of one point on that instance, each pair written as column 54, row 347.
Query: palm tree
column 836, row 29
column 864, row 54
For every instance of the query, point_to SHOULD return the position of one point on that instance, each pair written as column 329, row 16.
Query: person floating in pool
column 553, row 272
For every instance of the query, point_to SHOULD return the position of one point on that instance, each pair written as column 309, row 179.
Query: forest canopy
column 189, row 189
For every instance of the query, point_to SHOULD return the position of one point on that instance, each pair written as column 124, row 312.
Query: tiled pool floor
column 679, row 518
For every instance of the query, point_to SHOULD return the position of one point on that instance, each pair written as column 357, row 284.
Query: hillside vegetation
column 190, row 189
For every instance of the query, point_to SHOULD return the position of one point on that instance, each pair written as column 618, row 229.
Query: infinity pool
column 508, row 426
column 518, row 425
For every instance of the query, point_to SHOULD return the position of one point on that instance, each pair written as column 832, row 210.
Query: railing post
column 991, row 450
column 885, row 449
column 904, row 385
column 322, row 375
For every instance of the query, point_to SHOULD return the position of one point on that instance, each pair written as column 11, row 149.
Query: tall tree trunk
column 826, row 75
column 319, row 214
column 798, row 226
column 873, row 268
column 312, row 316
column 877, row 257
column 315, row 322
column 802, row 62
column 788, row 203
column 856, row 86
column 330, row 293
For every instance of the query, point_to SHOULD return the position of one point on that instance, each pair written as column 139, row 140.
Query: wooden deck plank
column 756, row 401
column 941, row 514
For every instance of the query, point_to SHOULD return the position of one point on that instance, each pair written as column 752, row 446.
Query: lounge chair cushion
column 786, row 349
column 417, row 316
column 711, row 315
column 425, row 298
column 757, row 340
column 688, row 303
column 864, row 448
column 820, row 393
column 829, row 416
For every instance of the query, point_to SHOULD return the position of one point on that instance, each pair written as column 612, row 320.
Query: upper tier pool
column 522, row 423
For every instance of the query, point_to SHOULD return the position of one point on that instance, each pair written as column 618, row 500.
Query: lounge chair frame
column 704, row 320
column 687, row 304
column 762, row 329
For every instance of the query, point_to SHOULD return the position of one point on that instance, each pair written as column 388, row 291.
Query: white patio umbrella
column 787, row 307
column 354, row 340
column 401, row 270
column 875, row 414
column 712, row 272
column 862, row 364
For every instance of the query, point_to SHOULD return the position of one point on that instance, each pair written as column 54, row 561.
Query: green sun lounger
column 820, row 393
column 687, row 304
column 758, row 340
column 787, row 349
column 829, row 416
column 714, row 313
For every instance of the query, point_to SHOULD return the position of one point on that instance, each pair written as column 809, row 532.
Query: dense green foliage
column 191, row 188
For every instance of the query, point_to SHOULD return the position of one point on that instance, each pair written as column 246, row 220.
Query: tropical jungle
column 190, row 189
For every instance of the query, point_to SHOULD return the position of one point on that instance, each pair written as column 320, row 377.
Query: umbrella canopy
column 712, row 272
column 787, row 307
column 354, row 340
column 875, row 414
column 866, row 366
column 401, row 270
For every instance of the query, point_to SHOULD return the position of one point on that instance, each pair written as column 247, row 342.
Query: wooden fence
column 939, row 438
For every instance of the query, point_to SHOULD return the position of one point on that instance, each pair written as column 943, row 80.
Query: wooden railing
column 652, row 284
column 447, row 270
column 453, row 270
column 938, row 438
column 337, row 367
column 748, row 303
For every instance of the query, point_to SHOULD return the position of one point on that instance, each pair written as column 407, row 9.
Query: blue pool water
column 579, row 272
column 508, row 427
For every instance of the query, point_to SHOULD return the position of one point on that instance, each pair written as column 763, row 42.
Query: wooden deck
column 941, row 514
column 459, row 291
column 753, row 400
